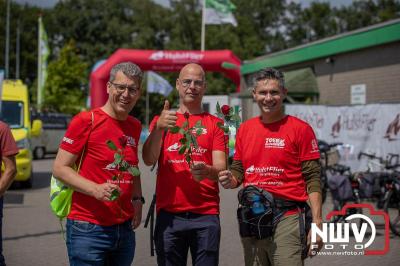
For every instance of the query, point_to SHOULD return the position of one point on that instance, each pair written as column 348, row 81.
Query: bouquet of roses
column 189, row 137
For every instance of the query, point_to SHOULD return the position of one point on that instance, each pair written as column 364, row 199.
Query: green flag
column 43, row 54
column 219, row 12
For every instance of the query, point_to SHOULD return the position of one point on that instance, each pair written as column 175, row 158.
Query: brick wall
column 382, row 85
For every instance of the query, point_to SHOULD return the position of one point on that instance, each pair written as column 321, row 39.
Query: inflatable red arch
column 163, row 61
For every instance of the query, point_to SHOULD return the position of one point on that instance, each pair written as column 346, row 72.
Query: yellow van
column 16, row 113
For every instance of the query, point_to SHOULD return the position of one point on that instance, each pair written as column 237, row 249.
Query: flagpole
column 203, row 25
column 147, row 100
column 39, row 75
column 7, row 50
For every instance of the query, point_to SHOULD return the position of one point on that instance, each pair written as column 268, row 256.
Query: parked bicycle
column 389, row 183
column 329, row 157
column 392, row 201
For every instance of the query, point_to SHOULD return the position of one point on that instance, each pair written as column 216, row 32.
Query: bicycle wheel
column 392, row 208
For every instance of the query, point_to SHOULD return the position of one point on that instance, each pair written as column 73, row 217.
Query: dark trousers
column 176, row 233
column 2, row 262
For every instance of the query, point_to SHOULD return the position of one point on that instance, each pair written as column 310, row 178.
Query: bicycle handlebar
column 371, row 156
column 332, row 145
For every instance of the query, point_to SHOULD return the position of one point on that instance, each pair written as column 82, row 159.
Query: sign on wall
column 358, row 94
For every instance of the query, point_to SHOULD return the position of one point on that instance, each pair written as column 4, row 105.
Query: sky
column 305, row 3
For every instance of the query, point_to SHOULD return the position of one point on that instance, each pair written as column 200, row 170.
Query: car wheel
column 39, row 152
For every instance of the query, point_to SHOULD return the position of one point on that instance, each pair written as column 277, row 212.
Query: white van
column 54, row 127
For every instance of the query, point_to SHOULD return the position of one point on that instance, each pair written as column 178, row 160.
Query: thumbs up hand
column 167, row 118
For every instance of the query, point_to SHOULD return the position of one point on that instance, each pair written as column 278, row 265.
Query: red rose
column 225, row 109
column 186, row 115
column 123, row 140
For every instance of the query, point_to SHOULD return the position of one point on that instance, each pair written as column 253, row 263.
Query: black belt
column 186, row 215
column 288, row 204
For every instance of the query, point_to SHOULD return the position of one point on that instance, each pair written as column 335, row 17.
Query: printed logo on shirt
column 274, row 143
column 130, row 141
column 314, row 146
column 263, row 171
column 250, row 170
column 175, row 147
column 113, row 166
column 110, row 167
column 265, row 183
column 68, row 140
column 204, row 131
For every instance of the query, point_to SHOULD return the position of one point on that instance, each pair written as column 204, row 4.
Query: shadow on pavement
column 41, row 180
column 47, row 156
column 32, row 235
column 14, row 198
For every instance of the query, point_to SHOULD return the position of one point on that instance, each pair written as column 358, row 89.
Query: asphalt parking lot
column 32, row 235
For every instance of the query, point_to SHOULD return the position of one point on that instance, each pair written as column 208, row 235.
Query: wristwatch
column 141, row 199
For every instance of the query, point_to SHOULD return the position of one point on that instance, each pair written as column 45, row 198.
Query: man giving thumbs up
column 187, row 198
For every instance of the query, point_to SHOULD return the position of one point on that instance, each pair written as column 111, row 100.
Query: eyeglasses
column 187, row 82
column 132, row 90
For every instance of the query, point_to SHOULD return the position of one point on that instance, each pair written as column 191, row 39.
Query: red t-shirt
column 97, row 164
column 272, row 155
column 8, row 147
column 176, row 189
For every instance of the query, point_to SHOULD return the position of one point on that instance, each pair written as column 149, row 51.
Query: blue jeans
column 176, row 233
column 2, row 262
column 92, row 244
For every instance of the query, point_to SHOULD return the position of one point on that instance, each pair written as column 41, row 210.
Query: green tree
column 66, row 81
column 365, row 13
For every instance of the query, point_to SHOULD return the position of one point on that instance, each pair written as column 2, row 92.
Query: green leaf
column 117, row 158
column 114, row 177
column 198, row 124
column 185, row 124
column 182, row 131
column 236, row 118
column 114, row 195
column 174, row 129
column 134, row 171
column 226, row 129
column 182, row 149
column 188, row 159
column 125, row 164
column 199, row 131
column 183, row 140
column 218, row 107
column 111, row 145
column 194, row 141
column 220, row 125
column 188, row 138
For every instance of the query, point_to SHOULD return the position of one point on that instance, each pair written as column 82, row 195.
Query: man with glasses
column 187, row 196
column 279, row 154
column 99, row 229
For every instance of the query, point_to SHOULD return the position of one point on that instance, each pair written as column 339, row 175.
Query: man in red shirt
column 8, row 150
column 187, row 197
column 100, row 230
column 279, row 154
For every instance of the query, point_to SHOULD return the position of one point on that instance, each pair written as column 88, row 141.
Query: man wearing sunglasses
column 187, row 196
column 100, row 229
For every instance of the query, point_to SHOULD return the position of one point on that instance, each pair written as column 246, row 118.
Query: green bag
column 60, row 198
column 61, row 194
